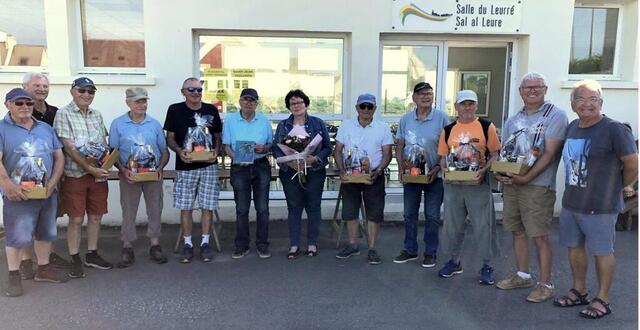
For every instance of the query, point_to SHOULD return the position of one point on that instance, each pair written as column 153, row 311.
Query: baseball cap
column 466, row 95
column 83, row 82
column 366, row 98
column 249, row 92
column 420, row 86
column 17, row 93
column 136, row 93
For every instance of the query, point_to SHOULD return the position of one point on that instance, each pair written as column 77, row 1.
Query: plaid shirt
column 70, row 123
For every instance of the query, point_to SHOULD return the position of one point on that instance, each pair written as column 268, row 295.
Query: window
column 402, row 68
column 112, row 33
column 273, row 66
column 593, row 41
column 23, row 40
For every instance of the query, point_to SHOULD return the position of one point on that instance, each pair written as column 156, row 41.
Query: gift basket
column 89, row 147
column 520, row 151
column 357, row 165
column 199, row 142
column 142, row 162
column 296, row 146
column 30, row 171
column 463, row 161
column 415, row 165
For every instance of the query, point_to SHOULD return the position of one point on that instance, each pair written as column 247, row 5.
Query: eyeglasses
column 583, row 100
column 86, row 90
column 249, row 99
column 21, row 103
column 533, row 88
column 194, row 89
column 367, row 106
column 291, row 104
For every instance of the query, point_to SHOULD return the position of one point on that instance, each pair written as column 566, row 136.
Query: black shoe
column 373, row 258
column 155, row 254
column 263, row 252
column 94, row 260
column 26, row 270
column 76, row 270
column 187, row 254
column 126, row 258
column 348, row 251
column 14, row 285
column 57, row 261
column 404, row 257
column 240, row 252
column 429, row 261
column 205, row 253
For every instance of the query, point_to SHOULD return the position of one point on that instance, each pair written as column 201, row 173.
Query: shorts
column 596, row 231
column 202, row 183
column 84, row 195
column 27, row 219
column 373, row 196
column 528, row 209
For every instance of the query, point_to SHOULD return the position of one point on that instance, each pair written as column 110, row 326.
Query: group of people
column 599, row 155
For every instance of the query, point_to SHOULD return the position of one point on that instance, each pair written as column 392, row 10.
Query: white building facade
column 333, row 49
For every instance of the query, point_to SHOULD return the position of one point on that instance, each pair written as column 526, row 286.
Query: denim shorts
column 201, row 183
column 353, row 194
column 596, row 231
column 31, row 218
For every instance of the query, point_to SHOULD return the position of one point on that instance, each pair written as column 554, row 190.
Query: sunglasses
column 194, row 89
column 367, row 106
column 21, row 103
column 86, row 90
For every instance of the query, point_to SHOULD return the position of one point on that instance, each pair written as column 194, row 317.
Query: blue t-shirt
column 13, row 136
column 593, row 169
column 258, row 130
column 426, row 131
column 124, row 131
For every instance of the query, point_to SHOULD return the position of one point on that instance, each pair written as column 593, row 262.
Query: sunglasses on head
column 21, row 103
column 86, row 90
column 194, row 89
column 367, row 106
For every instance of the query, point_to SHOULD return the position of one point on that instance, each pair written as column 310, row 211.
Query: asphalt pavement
column 308, row 293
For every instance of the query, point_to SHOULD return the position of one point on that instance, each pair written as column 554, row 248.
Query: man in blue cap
column 84, row 184
column 25, row 218
column 374, row 139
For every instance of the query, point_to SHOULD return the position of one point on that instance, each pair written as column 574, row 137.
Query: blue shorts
column 25, row 219
column 596, row 231
column 201, row 183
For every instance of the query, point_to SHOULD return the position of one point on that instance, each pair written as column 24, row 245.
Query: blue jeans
column 308, row 198
column 245, row 180
column 433, row 195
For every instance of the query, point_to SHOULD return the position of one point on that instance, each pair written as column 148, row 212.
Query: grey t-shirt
column 554, row 127
column 593, row 168
column 427, row 131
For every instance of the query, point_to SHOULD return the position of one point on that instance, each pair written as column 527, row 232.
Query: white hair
column 533, row 76
column 33, row 75
column 591, row 85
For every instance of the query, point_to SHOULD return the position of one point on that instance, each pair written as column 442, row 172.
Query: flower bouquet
column 296, row 146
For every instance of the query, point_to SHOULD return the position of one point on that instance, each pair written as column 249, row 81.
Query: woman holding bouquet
column 303, row 149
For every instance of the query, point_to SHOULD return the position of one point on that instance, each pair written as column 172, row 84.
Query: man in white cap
column 472, row 200
column 124, row 131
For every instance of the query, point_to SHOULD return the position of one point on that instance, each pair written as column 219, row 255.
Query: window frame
column 617, row 50
column 20, row 69
column 197, row 33
column 81, row 68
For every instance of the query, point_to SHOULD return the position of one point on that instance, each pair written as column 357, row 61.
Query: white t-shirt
column 370, row 138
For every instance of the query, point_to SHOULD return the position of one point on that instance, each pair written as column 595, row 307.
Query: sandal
column 293, row 254
column 567, row 301
column 594, row 313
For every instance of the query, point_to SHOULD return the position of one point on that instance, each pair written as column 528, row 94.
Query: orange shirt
column 473, row 130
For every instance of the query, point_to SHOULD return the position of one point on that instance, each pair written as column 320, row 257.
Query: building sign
column 479, row 16
column 214, row 72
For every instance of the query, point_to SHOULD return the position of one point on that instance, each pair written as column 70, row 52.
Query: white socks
column 205, row 240
column 187, row 241
column 524, row 276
